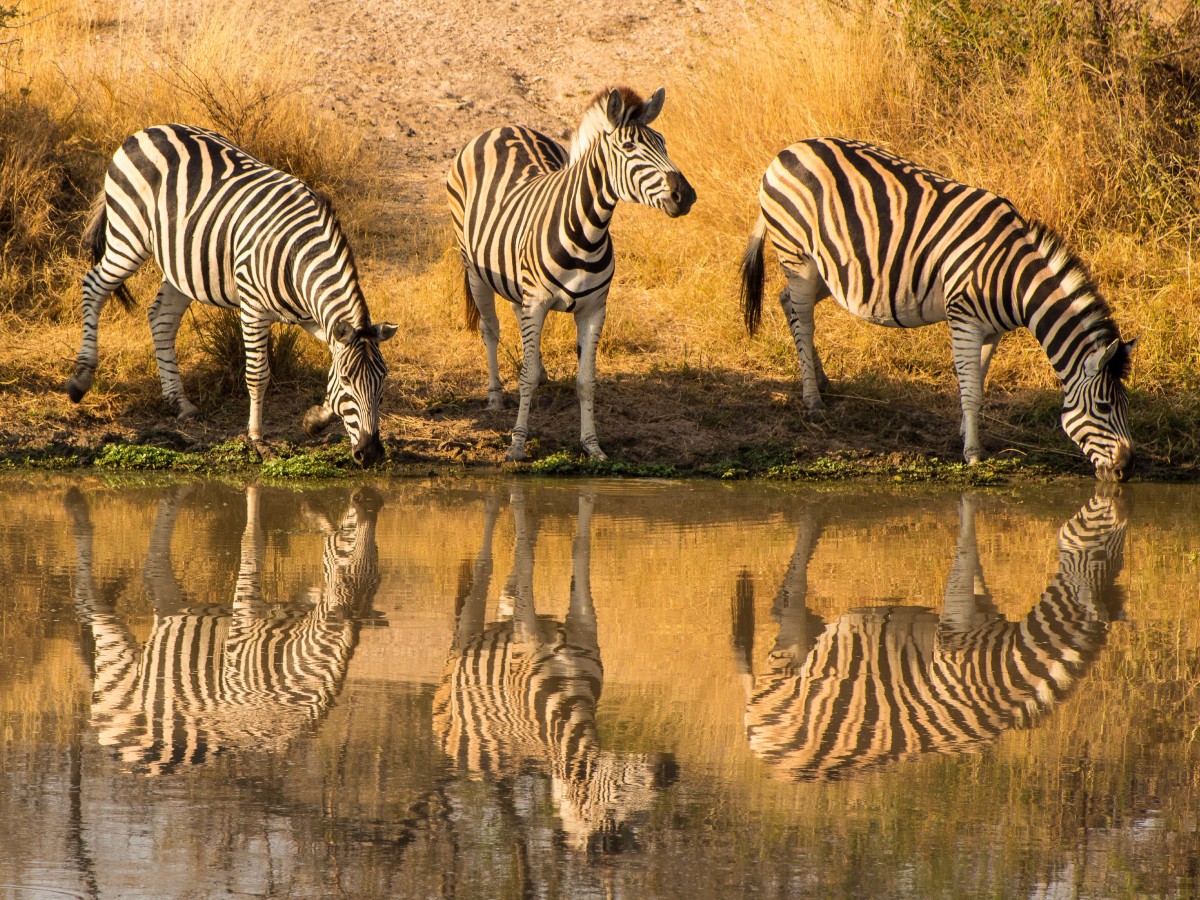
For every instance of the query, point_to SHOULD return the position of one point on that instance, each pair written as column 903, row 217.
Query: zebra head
column 354, row 386
column 639, row 169
column 1096, row 413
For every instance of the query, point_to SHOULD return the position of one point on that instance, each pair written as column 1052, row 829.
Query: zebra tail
column 95, row 242
column 752, row 275
column 470, row 310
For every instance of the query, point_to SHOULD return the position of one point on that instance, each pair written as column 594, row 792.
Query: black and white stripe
column 887, row 683
column 531, row 222
column 901, row 246
column 209, row 679
column 524, row 690
column 229, row 230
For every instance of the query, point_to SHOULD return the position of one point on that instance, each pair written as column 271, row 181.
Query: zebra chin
column 1119, row 468
column 368, row 450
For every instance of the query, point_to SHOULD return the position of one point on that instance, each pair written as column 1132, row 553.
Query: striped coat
column 531, row 223
column 901, row 246
column 229, row 230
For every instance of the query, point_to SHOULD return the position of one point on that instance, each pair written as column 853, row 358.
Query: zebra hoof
column 78, row 385
column 187, row 410
column 316, row 420
column 516, row 453
column 495, row 402
column 592, row 449
column 816, row 411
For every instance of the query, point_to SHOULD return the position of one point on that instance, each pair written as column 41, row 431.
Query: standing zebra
column 887, row 683
column 525, row 689
column 901, row 246
column 229, row 230
column 531, row 222
column 208, row 679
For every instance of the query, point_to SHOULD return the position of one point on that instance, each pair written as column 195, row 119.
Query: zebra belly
column 906, row 311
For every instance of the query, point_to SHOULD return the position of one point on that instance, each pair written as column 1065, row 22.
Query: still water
column 489, row 688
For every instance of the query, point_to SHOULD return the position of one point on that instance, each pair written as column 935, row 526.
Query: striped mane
column 594, row 121
column 1078, row 284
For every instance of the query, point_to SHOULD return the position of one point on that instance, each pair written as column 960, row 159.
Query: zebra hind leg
column 165, row 314
column 531, row 321
column 798, row 300
column 484, row 299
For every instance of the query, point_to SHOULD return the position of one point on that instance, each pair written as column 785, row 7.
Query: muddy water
column 506, row 689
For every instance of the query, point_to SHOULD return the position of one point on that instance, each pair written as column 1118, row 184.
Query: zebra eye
column 628, row 146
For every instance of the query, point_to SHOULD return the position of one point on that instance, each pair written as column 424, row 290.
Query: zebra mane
column 594, row 121
column 1078, row 283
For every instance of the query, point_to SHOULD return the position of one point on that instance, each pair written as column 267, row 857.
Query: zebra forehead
column 594, row 121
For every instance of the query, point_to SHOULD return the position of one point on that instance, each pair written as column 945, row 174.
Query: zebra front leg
column 966, row 345
column 589, row 323
column 968, row 602
column 531, row 320
column 247, row 595
column 165, row 314
column 258, row 372
column 98, row 285
column 798, row 300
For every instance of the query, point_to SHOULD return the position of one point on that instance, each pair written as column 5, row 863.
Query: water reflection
column 888, row 682
column 210, row 678
column 521, row 692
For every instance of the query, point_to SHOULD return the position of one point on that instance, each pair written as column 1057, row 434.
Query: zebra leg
column 589, row 324
column 518, row 589
column 798, row 627
column 247, row 597
column 475, row 582
column 489, row 331
column 531, row 320
column 581, row 615
column 158, row 572
column 165, row 314
column 966, row 345
column 986, row 352
column 968, row 601
column 798, row 300
column 258, row 373
column 98, row 285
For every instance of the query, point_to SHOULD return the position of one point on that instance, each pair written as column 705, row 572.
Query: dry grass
column 1090, row 129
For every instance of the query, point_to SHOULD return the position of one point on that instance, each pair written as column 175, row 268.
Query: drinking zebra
column 524, row 690
column 888, row 683
column 531, row 222
column 229, row 230
column 208, row 679
column 901, row 246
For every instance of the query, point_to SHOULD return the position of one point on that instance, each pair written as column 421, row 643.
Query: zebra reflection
column 210, row 679
column 887, row 683
column 522, row 691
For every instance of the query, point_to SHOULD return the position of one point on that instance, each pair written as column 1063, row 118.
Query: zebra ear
column 383, row 331
column 343, row 332
column 652, row 107
column 1098, row 359
column 615, row 108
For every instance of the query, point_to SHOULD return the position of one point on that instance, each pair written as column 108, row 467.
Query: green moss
column 565, row 463
column 333, row 462
column 138, row 457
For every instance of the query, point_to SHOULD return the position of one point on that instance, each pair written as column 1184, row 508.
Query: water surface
column 489, row 688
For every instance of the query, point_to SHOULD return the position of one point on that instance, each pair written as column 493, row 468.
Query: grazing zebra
column 229, row 230
column 531, row 222
column 524, row 690
column 888, row 683
column 208, row 679
column 901, row 246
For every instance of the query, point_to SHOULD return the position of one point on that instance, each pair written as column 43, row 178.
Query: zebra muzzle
column 681, row 195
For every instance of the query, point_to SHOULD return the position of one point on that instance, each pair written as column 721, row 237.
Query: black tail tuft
column 752, row 276
column 95, row 242
column 470, row 310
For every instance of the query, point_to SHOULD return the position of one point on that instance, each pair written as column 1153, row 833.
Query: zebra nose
column 368, row 450
column 681, row 196
column 1123, row 461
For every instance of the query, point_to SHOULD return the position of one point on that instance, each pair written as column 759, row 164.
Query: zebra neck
column 1067, row 318
column 589, row 198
